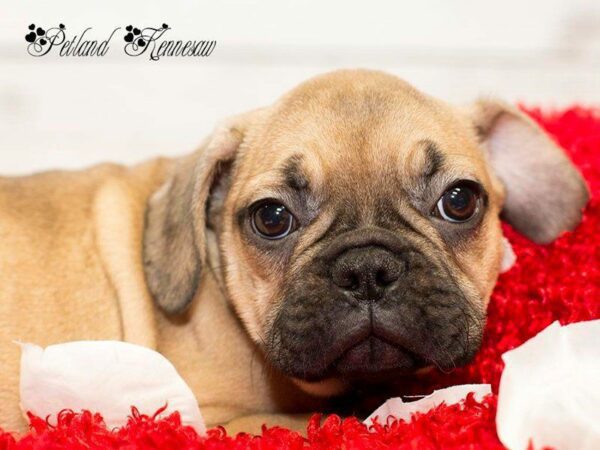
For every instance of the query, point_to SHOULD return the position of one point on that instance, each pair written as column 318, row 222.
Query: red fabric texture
column 560, row 281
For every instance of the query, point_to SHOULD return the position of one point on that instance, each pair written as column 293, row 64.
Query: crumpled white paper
column 399, row 409
column 550, row 390
column 508, row 256
column 108, row 377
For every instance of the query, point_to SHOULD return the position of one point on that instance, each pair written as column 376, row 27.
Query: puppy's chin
column 328, row 387
column 331, row 387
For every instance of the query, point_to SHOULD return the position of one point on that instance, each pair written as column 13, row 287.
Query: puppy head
column 357, row 223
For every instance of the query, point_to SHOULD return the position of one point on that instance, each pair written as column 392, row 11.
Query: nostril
column 347, row 280
column 381, row 278
column 384, row 278
column 353, row 282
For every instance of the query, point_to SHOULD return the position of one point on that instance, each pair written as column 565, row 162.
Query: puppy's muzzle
column 370, row 306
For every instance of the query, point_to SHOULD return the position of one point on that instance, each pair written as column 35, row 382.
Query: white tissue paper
column 108, row 377
column 550, row 390
column 399, row 409
column 508, row 256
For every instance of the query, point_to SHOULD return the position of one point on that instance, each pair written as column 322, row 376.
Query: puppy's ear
column 545, row 194
column 174, row 235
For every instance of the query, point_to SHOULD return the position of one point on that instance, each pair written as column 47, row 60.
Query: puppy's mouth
column 375, row 359
column 371, row 343
column 367, row 353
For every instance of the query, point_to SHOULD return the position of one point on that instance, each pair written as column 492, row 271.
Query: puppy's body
column 370, row 282
column 72, row 270
column 57, row 284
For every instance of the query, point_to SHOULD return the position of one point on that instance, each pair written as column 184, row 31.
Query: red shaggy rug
column 560, row 281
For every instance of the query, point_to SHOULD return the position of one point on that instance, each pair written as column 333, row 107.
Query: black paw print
column 32, row 36
column 39, row 36
column 132, row 32
column 131, row 35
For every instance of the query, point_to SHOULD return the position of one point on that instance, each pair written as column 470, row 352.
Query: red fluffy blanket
column 560, row 281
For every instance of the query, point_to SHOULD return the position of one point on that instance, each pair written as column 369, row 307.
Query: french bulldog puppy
column 345, row 236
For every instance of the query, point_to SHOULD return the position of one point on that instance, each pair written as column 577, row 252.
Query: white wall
column 69, row 112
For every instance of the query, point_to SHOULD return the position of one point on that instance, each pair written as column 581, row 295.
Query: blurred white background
column 72, row 112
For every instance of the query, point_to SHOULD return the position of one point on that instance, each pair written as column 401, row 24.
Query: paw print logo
column 33, row 36
column 139, row 40
column 134, row 35
column 41, row 41
column 38, row 36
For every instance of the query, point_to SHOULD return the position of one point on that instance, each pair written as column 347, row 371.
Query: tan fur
column 70, row 263
column 75, row 245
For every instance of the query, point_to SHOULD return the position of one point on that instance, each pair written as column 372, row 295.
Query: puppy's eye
column 272, row 220
column 460, row 202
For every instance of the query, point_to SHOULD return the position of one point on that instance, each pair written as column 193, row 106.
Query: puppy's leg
column 253, row 424
column 11, row 417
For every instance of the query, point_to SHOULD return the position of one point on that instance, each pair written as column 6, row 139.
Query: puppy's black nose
column 366, row 272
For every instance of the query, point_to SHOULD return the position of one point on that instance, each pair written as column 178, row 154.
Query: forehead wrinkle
column 284, row 173
column 301, row 173
column 293, row 174
column 434, row 159
column 423, row 161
